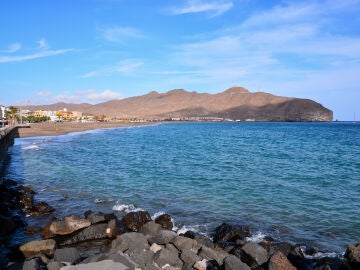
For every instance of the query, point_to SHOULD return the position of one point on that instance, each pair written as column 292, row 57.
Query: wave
column 257, row 237
column 31, row 147
column 127, row 208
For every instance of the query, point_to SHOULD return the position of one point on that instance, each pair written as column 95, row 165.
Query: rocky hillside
column 236, row 103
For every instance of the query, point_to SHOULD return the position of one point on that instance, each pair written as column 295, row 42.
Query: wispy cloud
column 124, row 67
column 120, row 34
column 41, row 51
column 43, row 94
column 195, row 6
column 20, row 58
column 12, row 48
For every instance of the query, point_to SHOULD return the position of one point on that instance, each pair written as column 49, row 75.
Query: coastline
column 53, row 129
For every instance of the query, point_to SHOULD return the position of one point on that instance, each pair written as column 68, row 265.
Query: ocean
column 295, row 182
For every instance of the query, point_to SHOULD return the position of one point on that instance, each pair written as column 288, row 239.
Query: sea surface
column 295, row 182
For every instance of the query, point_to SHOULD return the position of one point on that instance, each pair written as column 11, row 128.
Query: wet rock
column 163, row 237
column 165, row 221
column 189, row 257
column 106, row 264
column 229, row 233
column 352, row 253
column 189, row 234
column 212, row 254
column 97, row 231
column 98, row 217
column 67, row 255
column 39, row 209
column 150, row 228
column 130, row 241
column 283, row 247
column 114, row 228
column 46, row 233
column 134, row 220
column 183, row 243
column 253, row 254
column 32, row 229
column 6, row 225
column 278, row 261
column 34, row 247
column 69, row 225
column 234, row 263
column 165, row 256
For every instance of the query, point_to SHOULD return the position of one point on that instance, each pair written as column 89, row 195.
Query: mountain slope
column 234, row 103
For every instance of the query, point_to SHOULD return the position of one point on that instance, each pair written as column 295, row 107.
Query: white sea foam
column 31, row 147
column 127, row 208
column 256, row 237
column 320, row 254
column 157, row 214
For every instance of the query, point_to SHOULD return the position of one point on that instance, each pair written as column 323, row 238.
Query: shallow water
column 297, row 182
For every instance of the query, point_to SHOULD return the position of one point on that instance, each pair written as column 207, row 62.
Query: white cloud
column 120, row 34
column 105, row 95
column 20, row 58
column 196, row 6
column 12, row 48
column 124, row 67
column 43, row 45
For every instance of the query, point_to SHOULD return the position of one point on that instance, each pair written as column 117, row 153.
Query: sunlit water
column 297, row 182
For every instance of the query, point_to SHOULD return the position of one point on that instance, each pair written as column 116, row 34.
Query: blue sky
column 96, row 50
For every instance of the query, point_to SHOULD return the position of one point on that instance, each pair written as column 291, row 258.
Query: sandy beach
column 51, row 129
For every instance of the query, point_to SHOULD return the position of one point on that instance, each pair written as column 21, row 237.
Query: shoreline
column 137, row 240
column 62, row 128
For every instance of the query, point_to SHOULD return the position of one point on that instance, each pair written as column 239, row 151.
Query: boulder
column 155, row 247
column 130, row 241
column 98, row 217
column 352, row 253
column 232, row 262
column 67, row 255
column 278, row 261
column 189, row 257
column 33, row 264
column 201, row 265
column 46, row 247
column 162, row 237
column 165, row 221
column 104, row 265
column 229, row 233
column 253, row 254
column 165, row 256
column 204, row 241
column 150, row 228
column 171, row 247
column 124, row 259
column 134, row 220
column 283, row 247
column 52, row 265
column 69, row 225
column 96, row 231
column 96, row 258
column 183, row 243
column 143, row 258
column 114, row 228
column 212, row 254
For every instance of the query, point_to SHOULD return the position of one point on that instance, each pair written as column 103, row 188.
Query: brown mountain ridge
column 236, row 103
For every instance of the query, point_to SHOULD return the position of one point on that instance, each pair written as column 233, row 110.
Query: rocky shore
column 135, row 241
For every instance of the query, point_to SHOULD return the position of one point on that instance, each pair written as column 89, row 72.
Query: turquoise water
column 297, row 182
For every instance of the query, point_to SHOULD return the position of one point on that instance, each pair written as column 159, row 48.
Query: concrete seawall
column 7, row 136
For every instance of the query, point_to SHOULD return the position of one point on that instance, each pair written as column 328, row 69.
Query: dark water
column 297, row 182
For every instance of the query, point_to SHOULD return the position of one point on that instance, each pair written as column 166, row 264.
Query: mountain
column 236, row 103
